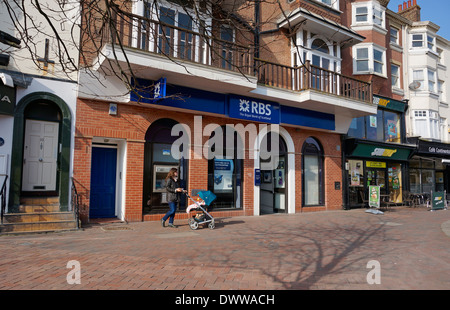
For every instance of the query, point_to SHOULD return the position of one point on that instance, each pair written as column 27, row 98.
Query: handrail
column 3, row 198
column 76, row 204
column 135, row 31
column 312, row 77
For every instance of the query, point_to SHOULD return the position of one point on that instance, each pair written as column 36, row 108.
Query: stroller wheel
column 193, row 224
column 211, row 225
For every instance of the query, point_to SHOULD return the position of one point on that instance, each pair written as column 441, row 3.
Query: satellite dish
column 415, row 85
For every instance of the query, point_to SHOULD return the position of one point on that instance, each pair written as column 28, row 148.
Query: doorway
column 273, row 188
column 40, row 158
column 103, row 183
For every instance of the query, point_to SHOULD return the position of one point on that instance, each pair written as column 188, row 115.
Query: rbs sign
column 254, row 110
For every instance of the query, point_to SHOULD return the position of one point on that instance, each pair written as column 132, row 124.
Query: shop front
column 373, row 163
column 225, row 139
column 429, row 167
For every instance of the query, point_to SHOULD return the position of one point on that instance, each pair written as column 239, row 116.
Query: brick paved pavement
column 324, row 250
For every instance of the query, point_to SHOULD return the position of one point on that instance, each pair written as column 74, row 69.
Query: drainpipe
column 257, row 30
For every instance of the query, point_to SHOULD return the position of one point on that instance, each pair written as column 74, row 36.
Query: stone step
column 39, row 200
column 26, row 227
column 29, row 208
column 38, row 217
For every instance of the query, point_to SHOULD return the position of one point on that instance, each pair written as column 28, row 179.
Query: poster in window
column 223, row 175
column 392, row 128
column 373, row 121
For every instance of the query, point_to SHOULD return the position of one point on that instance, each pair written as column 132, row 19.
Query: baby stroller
column 201, row 216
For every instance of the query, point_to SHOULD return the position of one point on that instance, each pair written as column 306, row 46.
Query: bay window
column 369, row 13
column 426, row 124
column 425, row 77
column 369, row 59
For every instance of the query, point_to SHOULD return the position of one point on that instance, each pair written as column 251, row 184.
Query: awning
column 378, row 150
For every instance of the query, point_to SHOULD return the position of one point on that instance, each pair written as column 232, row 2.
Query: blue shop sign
column 252, row 109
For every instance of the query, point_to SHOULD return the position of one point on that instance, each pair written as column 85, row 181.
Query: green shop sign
column 389, row 103
column 7, row 100
column 377, row 151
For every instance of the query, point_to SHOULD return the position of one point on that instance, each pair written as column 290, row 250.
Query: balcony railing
column 312, row 77
column 177, row 43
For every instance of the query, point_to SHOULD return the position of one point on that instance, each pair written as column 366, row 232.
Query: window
column 392, row 127
column 362, row 14
column 426, row 124
column 418, row 77
column 226, row 35
column 362, row 59
column 394, row 36
column 368, row 13
column 378, row 61
column 417, row 40
column 318, row 50
column 430, row 41
column 431, row 80
column 395, row 76
column 420, row 123
column 332, row 3
column 225, row 171
column 378, row 16
column 369, row 59
column 383, row 127
column 312, row 164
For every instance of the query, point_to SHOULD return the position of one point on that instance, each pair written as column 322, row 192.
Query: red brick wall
column 132, row 123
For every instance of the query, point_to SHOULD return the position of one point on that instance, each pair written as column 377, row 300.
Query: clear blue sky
column 436, row 11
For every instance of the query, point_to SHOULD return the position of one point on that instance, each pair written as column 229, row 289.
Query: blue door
column 103, row 183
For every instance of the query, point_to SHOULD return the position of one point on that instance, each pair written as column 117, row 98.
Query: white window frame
column 441, row 87
column 396, row 77
column 427, row 41
column 333, row 3
column 431, row 44
column 304, row 50
column 395, row 37
column 432, row 122
column 432, row 82
column 371, row 52
column 422, row 41
column 372, row 22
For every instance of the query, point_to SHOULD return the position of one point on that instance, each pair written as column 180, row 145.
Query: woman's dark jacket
column 171, row 186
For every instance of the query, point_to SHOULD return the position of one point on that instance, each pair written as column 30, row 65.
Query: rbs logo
column 261, row 108
column 256, row 107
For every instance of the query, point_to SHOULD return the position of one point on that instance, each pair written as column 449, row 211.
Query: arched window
column 312, row 168
column 225, row 168
column 320, row 45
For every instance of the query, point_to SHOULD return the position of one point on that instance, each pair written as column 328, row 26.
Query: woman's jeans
column 171, row 213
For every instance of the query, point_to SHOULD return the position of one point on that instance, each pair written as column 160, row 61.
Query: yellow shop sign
column 375, row 164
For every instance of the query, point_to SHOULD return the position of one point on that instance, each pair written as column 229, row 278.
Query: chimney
column 410, row 10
